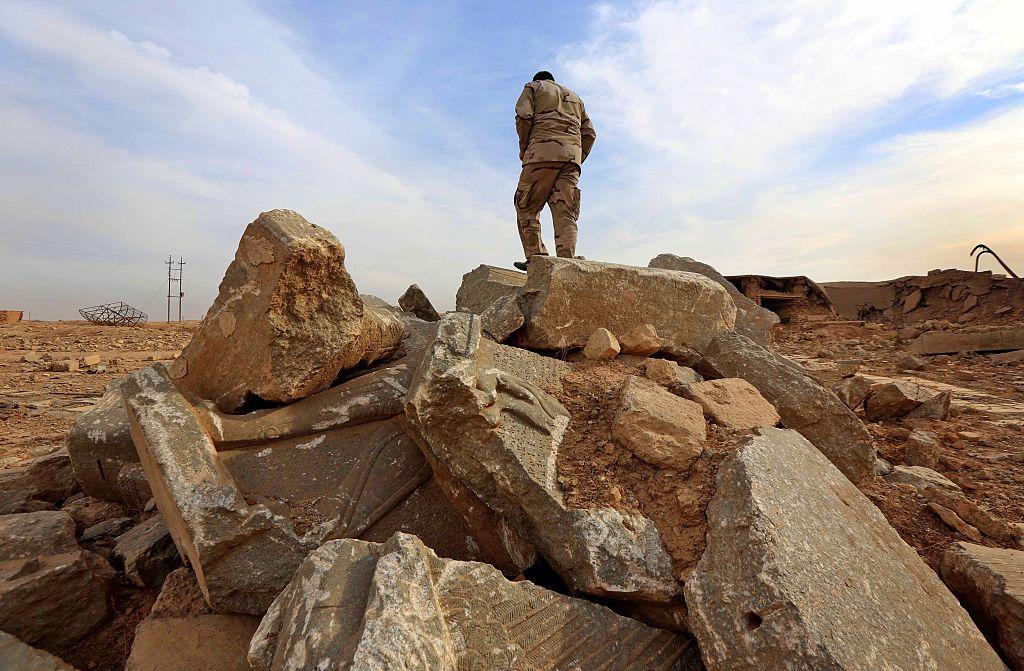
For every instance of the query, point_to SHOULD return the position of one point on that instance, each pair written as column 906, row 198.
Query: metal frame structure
column 985, row 249
column 114, row 314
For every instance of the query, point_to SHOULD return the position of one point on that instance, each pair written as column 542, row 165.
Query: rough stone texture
column 671, row 375
column 752, row 320
column 1008, row 357
column 953, row 520
column 183, row 634
column 503, row 318
column 485, row 284
column 52, row 592
column 333, row 465
column 21, row 501
column 416, row 302
column 349, row 599
column 658, row 426
column 481, row 415
column 853, row 391
column 641, row 341
column 48, row 478
column 922, row 449
column 936, row 407
column 134, row 487
column 566, row 300
column 894, row 399
column 100, row 445
column 921, row 477
column 848, row 367
column 88, row 511
column 288, row 318
column 802, row 402
column 18, row 656
column 602, row 345
column 990, row 584
column 147, row 553
column 951, row 342
column 802, row 571
column 732, row 403
column 971, row 513
column 910, row 362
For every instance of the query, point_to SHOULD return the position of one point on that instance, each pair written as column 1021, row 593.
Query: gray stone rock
column 147, row 553
column 52, row 592
column 47, row 478
column 892, row 400
column 802, row 402
column 134, row 487
column 935, row 407
column 752, row 320
column 853, row 391
column 287, row 320
column 802, row 571
column 503, row 318
column 18, row 656
column 100, row 445
column 921, row 477
column 361, row 606
column 922, row 449
column 416, row 302
column 484, row 285
column 566, row 300
column 88, row 511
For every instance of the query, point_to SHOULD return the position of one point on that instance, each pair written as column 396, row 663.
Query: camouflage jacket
column 552, row 124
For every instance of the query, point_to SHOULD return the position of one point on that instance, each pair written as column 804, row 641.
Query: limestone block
column 853, row 391
column 658, row 426
column 483, row 285
column 100, row 445
column 416, row 302
column 950, row 342
column 641, row 341
column 601, row 346
column 733, row 403
column 894, row 399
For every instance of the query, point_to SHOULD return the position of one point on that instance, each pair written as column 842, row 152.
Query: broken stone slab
column 47, row 478
column 984, row 521
column 922, row 449
column 935, row 407
column 894, row 399
column 503, row 318
column 853, row 391
column 732, row 403
column 52, row 592
column 21, row 501
column 802, row 402
column 182, row 634
column 1008, row 357
column 480, row 412
column 288, row 318
column 752, row 320
column 910, row 362
column 484, row 285
column 566, row 300
column 247, row 514
column 990, row 583
column 671, row 375
column 601, row 346
column 953, row 521
column 416, row 302
column 641, row 341
column 134, row 487
column 147, row 553
column 921, row 477
column 18, row 656
column 349, row 598
column 802, row 571
column 949, row 342
column 657, row 426
column 100, row 445
column 87, row 511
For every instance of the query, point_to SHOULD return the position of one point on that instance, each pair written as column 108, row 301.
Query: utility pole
column 171, row 279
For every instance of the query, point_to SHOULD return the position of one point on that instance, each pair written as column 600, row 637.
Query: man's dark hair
column 543, row 75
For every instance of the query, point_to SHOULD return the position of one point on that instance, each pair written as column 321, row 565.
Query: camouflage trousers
column 554, row 183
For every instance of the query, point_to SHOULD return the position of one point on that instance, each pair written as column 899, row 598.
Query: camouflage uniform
column 555, row 136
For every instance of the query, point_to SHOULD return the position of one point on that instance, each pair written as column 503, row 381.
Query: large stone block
column 484, row 285
column 288, row 318
column 752, row 320
column 246, row 499
column 484, row 416
column 566, row 300
column 732, row 403
column 658, row 426
column 802, row 571
column 951, row 342
column 802, row 402
column 47, row 479
column 361, row 606
column 18, row 656
column 52, row 593
column 100, row 445
column 990, row 584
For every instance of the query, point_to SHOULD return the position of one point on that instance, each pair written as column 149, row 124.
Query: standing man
column 555, row 137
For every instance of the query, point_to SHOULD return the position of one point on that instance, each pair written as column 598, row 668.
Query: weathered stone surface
column 88, row 511
column 752, row 320
column 333, row 465
column 922, row 449
column 183, row 634
column 100, row 444
column 990, row 584
column 38, row 484
column 671, row 375
column 51, row 591
column 18, row 656
column 104, row 531
column 921, row 477
column 935, row 407
column 481, row 414
column 733, row 403
column 134, row 487
column 349, row 599
column 894, row 399
column 980, row 518
column 802, row 402
column 658, row 426
column 416, row 302
column 601, row 346
column 483, row 285
column 147, row 553
column 848, row 367
column 802, row 571
column 1008, row 357
column 503, row 318
column 566, row 300
column 288, row 318
column 954, row 522
column 641, row 341
column 910, row 362
column 21, row 501
column 853, row 391
column 950, row 342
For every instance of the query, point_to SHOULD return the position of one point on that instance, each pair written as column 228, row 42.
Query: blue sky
column 837, row 139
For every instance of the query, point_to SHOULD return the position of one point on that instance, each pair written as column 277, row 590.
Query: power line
column 71, row 250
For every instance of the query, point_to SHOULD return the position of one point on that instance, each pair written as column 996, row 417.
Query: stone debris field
column 585, row 466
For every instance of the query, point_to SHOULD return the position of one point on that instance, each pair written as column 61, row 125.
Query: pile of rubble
column 589, row 466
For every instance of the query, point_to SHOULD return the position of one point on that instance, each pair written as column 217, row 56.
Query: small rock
column 953, row 521
column 91, row 360
column 641, row 341
column 658, row 426
column 922, row 449
column 88, row 511
column 147, row 553
column 921, row 478
column 602, row 345
column 32, row 357
column 912, row 301
column 670, row 374
column 133, row 486
column 853, row 390
column 848, row 367
column 732, row 403
column 416, row 302
column 892, row 400
column 106, row 529
column 910, row 362
column 936, row 407
column 64, row 366
column 882, row 467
